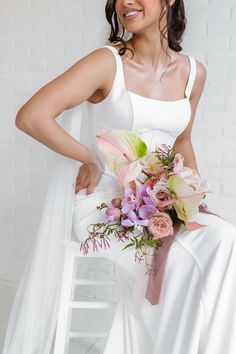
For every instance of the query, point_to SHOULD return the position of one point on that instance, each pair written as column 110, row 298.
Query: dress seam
column 197, row 263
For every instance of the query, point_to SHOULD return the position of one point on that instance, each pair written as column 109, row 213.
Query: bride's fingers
column 79, row 181
column 78, row 187
column 81, row 178
column 81, row 184
column 91, row 187
column 78, row 176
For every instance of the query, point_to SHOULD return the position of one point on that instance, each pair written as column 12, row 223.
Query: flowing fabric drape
column 33, row 317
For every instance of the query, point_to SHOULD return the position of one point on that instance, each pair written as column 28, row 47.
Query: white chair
column 67, row 302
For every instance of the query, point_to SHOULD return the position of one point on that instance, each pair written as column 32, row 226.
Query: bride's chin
column 141, row 30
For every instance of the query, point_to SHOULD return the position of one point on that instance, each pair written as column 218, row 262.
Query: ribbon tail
column 155, row 281
column 156, row 275
column 154, row 285
column 150, row 285
column 204, row 209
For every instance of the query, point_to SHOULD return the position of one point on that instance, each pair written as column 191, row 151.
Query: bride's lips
column 133, row 15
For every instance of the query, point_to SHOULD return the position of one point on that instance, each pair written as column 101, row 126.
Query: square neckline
column 149, row 98
column 154, row 99
column 130, row 93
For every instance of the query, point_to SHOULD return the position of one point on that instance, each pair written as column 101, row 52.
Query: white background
column 40, row 39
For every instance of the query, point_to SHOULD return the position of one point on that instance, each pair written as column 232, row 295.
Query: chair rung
column 88, row 334
column 94, row 282
column 90, row 304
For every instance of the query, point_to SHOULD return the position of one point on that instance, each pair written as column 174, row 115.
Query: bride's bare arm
column 37, row 116
column 183, row 142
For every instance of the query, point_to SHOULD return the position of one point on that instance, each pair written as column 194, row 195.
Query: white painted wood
column 61, row 339
column 67, row 303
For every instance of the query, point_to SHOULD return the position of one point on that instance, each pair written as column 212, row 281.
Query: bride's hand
column 88, row 177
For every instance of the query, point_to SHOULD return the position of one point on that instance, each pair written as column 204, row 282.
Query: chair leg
column 73, row 285
column 61, row 339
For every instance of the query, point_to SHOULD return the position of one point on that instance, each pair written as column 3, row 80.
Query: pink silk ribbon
column 151, row 286
column 159, row 257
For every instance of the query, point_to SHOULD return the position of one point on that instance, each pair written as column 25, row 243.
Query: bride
column 145, row 85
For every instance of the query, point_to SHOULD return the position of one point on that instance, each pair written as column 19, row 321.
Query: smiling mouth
column 132, row 14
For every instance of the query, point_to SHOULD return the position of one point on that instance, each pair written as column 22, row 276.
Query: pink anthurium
column 123, row 150
column 187, row 199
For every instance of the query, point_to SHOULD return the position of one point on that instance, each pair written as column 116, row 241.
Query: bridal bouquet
column 159, row 193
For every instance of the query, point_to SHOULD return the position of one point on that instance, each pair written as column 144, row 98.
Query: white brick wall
column 39, row 39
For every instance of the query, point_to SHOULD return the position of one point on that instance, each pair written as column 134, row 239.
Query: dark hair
column 175, row 24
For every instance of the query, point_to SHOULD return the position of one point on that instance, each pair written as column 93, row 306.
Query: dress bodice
column 156, row 121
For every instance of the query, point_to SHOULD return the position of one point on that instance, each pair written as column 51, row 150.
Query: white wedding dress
column 197, row 310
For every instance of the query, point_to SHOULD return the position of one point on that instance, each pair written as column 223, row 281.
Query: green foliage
column 135, row 242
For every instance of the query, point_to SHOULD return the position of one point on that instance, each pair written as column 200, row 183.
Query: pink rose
column 160, row 191
column 160, row 225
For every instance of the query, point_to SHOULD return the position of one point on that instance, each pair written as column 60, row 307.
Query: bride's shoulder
column 102, row 57
column 200, row 73
column 101, row 52
column 201, row 70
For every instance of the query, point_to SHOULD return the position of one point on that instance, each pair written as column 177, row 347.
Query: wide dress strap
column 192, row 76
column 118, row 83
column 111, row 48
